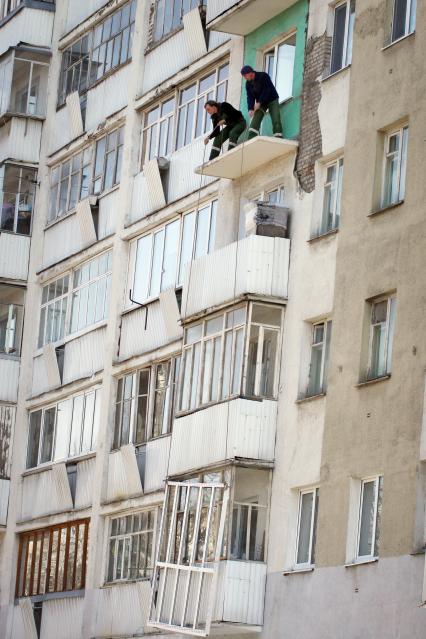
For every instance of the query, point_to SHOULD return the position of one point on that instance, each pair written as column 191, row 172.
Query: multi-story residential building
column 212, row 373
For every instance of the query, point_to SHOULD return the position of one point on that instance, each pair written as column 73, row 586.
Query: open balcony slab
column 241, row 17
column 248, row 156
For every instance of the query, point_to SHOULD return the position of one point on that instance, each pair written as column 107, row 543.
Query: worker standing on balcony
column 262, row 96
column 224, row 115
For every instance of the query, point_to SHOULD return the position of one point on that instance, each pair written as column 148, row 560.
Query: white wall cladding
column 261, row 265
column 241, row 592
column 84, row 356
column 108, row 212
column 333, row 112
column 216, row 38
column 216, row 7
column 107, row 97
column 123, row 474
column 182, row 179
column 122, row 610
column 165, row 60
column 28, row 25
column 46, row 492
column 9, row 376
column 40, row 382
column 62, row 618
column 61, row 133
column 84, row 484
column 61, row 240
column 141, row 205
column 20, row 140
column 14, row 256
column 4, row 500
column 79, row 11
column 238, row 428
column 135, row 340
column 156, row 463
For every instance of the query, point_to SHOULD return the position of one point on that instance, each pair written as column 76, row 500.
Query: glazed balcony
column 23, row 83
column 241, row 17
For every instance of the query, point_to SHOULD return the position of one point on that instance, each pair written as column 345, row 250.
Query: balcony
column 29, row 21
column 241, row 17
column 23, row 83
column 256, row 266
column 248, row 156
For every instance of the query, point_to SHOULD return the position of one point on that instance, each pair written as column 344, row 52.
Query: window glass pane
column 186, row 244
column 399, row 27
column 285, row 67
column 252, row 359
column 338, row 38
column 315, row 372
column 171, row 247
column 34, row 438
column 48, row 432
column 239, row 532
column 403, row 169
column 89, row 412
column 157, row 261
column 203, row 228
column 269, row 356
column 349, row 44
column 63, row 427
column 262, row 314
column 142, row 268
column 77, row 422
column 195, row 375
column 367, row 522
column 305, row 523
column 142, row 408
column 238, row 361
column 391, row 331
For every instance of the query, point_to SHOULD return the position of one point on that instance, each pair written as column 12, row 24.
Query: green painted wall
column 294, row 17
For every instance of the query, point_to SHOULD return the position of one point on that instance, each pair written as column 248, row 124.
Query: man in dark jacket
column 233, row 122
column 262, row 96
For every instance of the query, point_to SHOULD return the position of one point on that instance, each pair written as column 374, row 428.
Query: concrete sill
column 49, row 465
column 404, row 37
column 322, row 236
column 385, row 209
column 362, row 562
column 66, row 594
column 333, row 75
column 125, row 582
column 375, row 380
column 309, row 398
column 298, row 571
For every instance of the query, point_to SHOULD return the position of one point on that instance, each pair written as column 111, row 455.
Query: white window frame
column 14, row 328
column 403, row 133
column 264, row 196
column 410, row 20
column 347, row 37
column 327, row 324
column 338, row 165
column 272, row 52
column 22, row 197
column 169, row 119
column 76, row 289
column 250, row 505
column 378, row 479
column 315, row 494
column 388, row 345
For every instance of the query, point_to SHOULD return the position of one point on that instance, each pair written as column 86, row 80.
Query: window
column 181, row 118
column 52, row 559
column 279, row 64
column 332, row 197
column 395, row 167
column 382, row 327
column 93, row 170
column 7, row 419
column 275, row 196
column 28, row 88
column 341, row 48
column 107, row 46
column 11, row 319
column 213, row 356
column 370, row 509
column 248, row 531
column 169, row 14
column 307, row 527
column 17, row 199
column 320, row 349
column 53, row 312
column 161, row 258
column 145, row 403
column 66, row 429
column 131, row 546
column 403, row 18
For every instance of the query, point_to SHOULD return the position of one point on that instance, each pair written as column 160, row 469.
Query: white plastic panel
column 40, row 383
column 62, row 618
column 108, row 212
column 62, row 240
column 156, row 463
column 9, row 377
column 121, row 610
column 61, row 133
column 241, row 592
column 84, row 356
column 85, row 222
column 182, row 179
column 165, row 60
column 107, row 97
column 51, row 366
column 45, row 493
column 257, row 265
column 74, row 114
column 238, row 428
column 85, row 483
column 28, row 622
column 80, row 11
column 123, row 474
column 6, row 70
column 14, row 256
column 194, row 34
column 4, row 500
column 28, row 25
column 141, row 205
column 20, row 140
column 154, row 185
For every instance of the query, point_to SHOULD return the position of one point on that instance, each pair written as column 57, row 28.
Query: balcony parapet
column 241, row 17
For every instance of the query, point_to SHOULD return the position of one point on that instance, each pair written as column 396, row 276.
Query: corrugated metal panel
column 62, row 618
column 84, row 356
column 108, row 207
column 80, row 11
column 6, row 68
column 61, row 485
column 29, row 25
column 4, row 500
column 216, row 7
column 182, row 179
column 51, row 366
column 40, row 382
column 74, row 114
column 141, row 205
column 254, row 265
column 108, row 97
column 14, row 256
column 20, row 140
column 9, row 377
column 194, row 34
column 85, row 221
column 61, row 240
column 16, row 622
column 239, row 428
column 84, row 487
column 122, row 610
column 171, row 314
column 241, row 592
column 165, row 60
column 61, row 130
column 156, row 463
column 45, row 492
column 123, row 474
column 154, row 185
column 216, row 38
column 30, row 631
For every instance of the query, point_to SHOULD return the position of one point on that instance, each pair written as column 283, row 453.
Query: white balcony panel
column 9, row 377
column 33, row 26
column 238, row 428
column 80, row 11
column 85, row 483
column 141, row 205
column 84, row 356
column 20, row 140
column 182, row 179
column 107, row 97
column 41, row 383
column 156, row 464
column 62, row 240
column 6, row 75
column 248, row 156
column 62, row 618
column 257, row 265
column 241, row 17
column 136, row 340
column 14, row 256
column 216, row 39
column 4, row 500
column 123, row 474
column 61, row 133
column 121, row 610
column 241, row 592
column 165, row 60
column 45, row 493
column 108, row 213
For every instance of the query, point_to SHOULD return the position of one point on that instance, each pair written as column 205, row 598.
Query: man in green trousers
column 262, row 96
column 233, row 123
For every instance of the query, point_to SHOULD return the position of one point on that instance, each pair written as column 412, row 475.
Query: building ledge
column 374, row 380
column 323, row 236
column 298, row 571
column 309, row 398
column 248, row 156
column 385, row 209
column 362, row 562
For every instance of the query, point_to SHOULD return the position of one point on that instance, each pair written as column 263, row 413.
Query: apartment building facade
column 212, row 377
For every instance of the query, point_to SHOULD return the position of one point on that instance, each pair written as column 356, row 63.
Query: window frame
column 322, row 387
column 409, row 18
column 346, row 59
column 391, row 308
column 173, row 26
column 76, row 289
column 14, row 326
column 385, row 200
column 272, row 52
column 29, row 196
column 338, row 165
column 312, row 529
column 239, row 505
column 378, row 487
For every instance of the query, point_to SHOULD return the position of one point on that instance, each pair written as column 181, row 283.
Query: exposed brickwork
column 317, row 58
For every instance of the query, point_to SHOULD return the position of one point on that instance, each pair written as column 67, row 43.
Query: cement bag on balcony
column 266, row 219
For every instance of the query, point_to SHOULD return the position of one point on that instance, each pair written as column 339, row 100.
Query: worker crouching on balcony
column 224, row 115
column 262, row 96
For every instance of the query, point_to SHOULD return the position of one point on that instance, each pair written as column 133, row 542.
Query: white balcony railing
column 241, row 17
